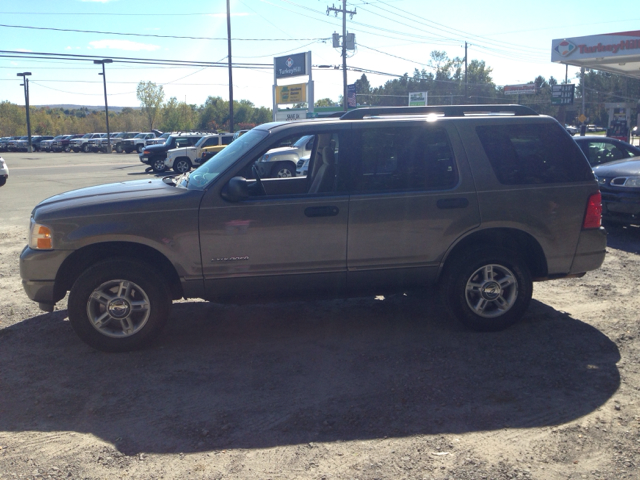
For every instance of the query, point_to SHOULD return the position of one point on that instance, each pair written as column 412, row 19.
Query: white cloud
column 15, row 64
column 68, row 48
column 224, row 15
column 123, row 45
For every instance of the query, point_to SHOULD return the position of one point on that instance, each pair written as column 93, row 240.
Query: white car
column 4, row 172
column 182, row 159
column 283, row 161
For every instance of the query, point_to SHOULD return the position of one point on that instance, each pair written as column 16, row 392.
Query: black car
column 619, row 184
column 599, row 149
column 154, row 155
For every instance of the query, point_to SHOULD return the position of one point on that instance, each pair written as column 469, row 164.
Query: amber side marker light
column 41, row 238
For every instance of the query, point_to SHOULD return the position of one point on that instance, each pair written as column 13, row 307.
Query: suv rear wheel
column 119, row 305
column 182, row 165
column 139, row 148
column 118, row 148
column 487, row 289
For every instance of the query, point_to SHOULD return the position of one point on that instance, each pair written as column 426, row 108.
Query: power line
column 162, row 36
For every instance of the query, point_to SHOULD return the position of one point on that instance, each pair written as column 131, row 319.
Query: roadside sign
column 526, row 89
column 562, row 94
column 417, row 99
column 291, row 93
column 582, row 118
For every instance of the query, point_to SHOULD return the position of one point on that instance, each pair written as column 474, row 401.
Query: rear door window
column 533, row 154
column 404, row 159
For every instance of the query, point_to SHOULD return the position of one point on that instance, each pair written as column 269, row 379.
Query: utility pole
column 466, row 84
column 344, row 46
column 25, row 83
column 230, row 69
column 106, row 105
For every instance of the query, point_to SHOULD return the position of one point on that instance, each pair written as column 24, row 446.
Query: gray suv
column 478, row 200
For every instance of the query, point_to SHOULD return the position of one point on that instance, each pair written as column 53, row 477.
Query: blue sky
column 513, row 38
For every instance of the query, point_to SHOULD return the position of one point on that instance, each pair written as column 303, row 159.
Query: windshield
column 223, row 160
column 201, row 141
column 303, row 140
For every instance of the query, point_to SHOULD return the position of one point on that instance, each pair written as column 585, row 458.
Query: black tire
column 181, row 165
column 85, row 148
column 3, row 180
column 139, row 148
column 75, row 150
column 118, row 148
column 157, row 164
column 283, row 170
column 98, row 292
column 486, row 289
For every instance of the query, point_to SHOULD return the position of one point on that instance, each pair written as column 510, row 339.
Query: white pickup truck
column 182, row 159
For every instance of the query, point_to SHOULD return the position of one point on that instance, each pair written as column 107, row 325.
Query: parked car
column 47, row 145
column 155, row 155
column 182, row 159
column 63, row 144
column 161, row 139
column 302, row 167
column 95, row 143
column 4, row 172
column 282, row 162
column 82, row 143
column 599, row 149
column 116, row 141
column 571, row 129
column 138, row 142
column 474, row 201
column 4, row 143
column 12, row 145
column 619, row 183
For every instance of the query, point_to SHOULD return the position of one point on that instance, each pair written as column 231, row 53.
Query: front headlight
column 40, row 237
column 630, row 182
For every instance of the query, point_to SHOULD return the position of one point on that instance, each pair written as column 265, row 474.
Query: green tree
column 151, row 97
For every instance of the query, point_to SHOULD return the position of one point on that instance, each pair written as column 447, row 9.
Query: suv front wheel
column 283, row 170
column 157, row 164
column 182, row 165
column 487, row 289
column 119, row 305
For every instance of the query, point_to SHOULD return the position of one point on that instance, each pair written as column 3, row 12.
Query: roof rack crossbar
column 447, row 110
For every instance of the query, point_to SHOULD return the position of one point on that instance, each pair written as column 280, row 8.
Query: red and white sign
column 526, row 89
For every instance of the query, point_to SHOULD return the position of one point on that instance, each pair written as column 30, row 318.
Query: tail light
column 593, row 215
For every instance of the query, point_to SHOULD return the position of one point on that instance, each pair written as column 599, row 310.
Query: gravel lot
column 356, row 389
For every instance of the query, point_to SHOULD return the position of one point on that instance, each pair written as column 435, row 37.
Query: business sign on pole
column 562, row 94
column 291, row 93
column 418, row 99
column 526, row 89
column 351, row 96
column 290, row 65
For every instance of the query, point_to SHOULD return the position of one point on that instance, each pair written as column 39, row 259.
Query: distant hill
column 100, row 108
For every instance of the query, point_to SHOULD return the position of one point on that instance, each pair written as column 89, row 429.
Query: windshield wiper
column 169, row 180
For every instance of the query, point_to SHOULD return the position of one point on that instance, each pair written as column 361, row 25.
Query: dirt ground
column 348, row 389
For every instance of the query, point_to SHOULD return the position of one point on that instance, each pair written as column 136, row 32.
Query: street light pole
column 106, row 105
column 25, row 83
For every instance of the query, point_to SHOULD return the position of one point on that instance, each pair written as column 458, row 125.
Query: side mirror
column 236, row 190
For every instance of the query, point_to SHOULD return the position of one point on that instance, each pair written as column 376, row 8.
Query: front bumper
column 621, row 207
column 38, row 270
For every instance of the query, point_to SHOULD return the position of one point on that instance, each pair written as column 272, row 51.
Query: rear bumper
column 590, row 252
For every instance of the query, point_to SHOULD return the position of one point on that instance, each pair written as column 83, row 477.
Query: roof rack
column 447, row 110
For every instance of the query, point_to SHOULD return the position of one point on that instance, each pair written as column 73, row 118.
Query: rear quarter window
column 533, row 154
